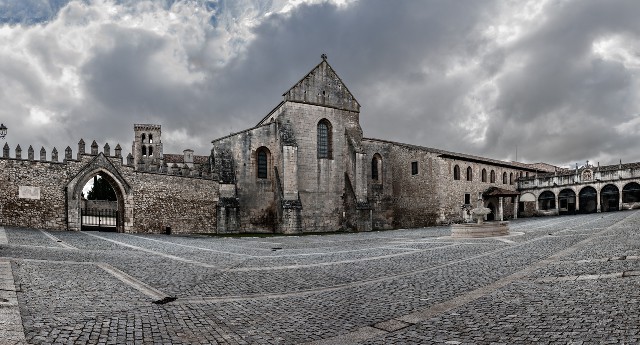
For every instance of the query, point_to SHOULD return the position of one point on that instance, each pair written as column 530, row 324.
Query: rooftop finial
column 324, row 57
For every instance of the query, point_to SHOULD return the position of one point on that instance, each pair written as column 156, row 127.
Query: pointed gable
column 322, row 86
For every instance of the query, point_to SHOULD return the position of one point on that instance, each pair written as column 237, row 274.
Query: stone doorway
column 491, row 216
column 118, row 219
column 99, row 207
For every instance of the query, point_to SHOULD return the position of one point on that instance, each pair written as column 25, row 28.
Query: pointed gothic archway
column 102, row 166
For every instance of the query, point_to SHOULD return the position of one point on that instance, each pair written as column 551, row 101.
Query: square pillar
column 500, row 208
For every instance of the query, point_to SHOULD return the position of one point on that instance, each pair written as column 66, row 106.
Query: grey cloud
column 422, row 71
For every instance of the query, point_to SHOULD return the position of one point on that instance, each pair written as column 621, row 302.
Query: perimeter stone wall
column 186, row 204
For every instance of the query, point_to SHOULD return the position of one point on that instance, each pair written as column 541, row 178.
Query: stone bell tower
column 147, row 146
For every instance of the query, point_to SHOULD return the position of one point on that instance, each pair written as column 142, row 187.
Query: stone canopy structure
column 305, row 166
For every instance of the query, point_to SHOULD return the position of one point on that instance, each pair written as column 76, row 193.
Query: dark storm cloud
column 565, row 100
column 560, row 82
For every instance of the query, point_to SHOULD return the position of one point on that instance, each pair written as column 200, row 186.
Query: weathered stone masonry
column 304, row 167
column 147, row 201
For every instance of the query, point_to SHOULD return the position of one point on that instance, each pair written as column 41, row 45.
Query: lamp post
column 3, row 130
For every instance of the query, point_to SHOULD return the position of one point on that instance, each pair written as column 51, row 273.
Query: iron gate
column 98, row 219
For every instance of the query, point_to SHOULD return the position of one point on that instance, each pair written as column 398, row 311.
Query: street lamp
column 3, row 130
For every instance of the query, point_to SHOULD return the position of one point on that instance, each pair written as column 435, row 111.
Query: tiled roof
column 463, row 156
column 497, row 191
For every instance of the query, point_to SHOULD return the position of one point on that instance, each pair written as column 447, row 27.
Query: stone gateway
column 305, row 166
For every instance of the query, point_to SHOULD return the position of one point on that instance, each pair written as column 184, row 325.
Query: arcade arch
column 610, row 198
column 547, row 201
column 567, row 201
column 588, row 200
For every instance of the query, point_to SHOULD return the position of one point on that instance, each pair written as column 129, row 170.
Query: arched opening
column 484, row 175
column 547, row 201
column 588, row 202
column 492, row 215
column 567, row 201
column 101, row 203
column 609, row 198
column 456, row 172
column 376, row 168
column 263, row 155
column 631, row 193
column 150, row 148
column 510, row 178
column 144, row 150
column 143, row 137
column 504, row 178
column 324, row 139
column 493, row 176
column 102, row 166
column 469, row 174
column 150, row 140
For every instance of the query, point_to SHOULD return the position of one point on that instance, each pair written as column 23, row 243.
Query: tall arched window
column 504, row 178
column 484, row 175
column 143, row 137
column 376, row 168
column 469, row 174
column 150, row 138
column 150, row 150
column 493, row 177
column 324, row 139
column 263, row 162
column 511, row 178
column 456, row 172
column 144, row 151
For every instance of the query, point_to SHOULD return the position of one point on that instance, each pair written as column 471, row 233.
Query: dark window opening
column 150, row 150
column 414, row 168
column 467, row 198
column 469, row 174
column 324, row 139
column 144, row 151
column 456, row 172
column 484, row 175
column 376, row 167
column 150, row 138
column 493, row 177
column 504, row 178
column 143, row 137
column 262, row 164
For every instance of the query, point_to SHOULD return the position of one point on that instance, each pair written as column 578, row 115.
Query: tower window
column 150, row 148
column 376, row 167
column 456, row 172
column 324, row 139
column 262, row 163
column 414, row 168
column 150, row 139
column 144, row 151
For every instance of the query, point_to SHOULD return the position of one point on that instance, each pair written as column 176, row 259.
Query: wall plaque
column 28, row 192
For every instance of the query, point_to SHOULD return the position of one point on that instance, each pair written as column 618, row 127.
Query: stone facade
column 304, row 167
column 47, row 193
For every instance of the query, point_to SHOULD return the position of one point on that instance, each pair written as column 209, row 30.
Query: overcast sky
column 557, row 79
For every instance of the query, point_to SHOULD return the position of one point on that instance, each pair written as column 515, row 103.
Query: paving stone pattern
column 570, row 279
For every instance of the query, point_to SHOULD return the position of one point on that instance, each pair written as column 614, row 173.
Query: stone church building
column 305, row 167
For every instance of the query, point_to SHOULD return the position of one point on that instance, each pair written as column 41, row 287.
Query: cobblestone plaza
column 571, row 279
